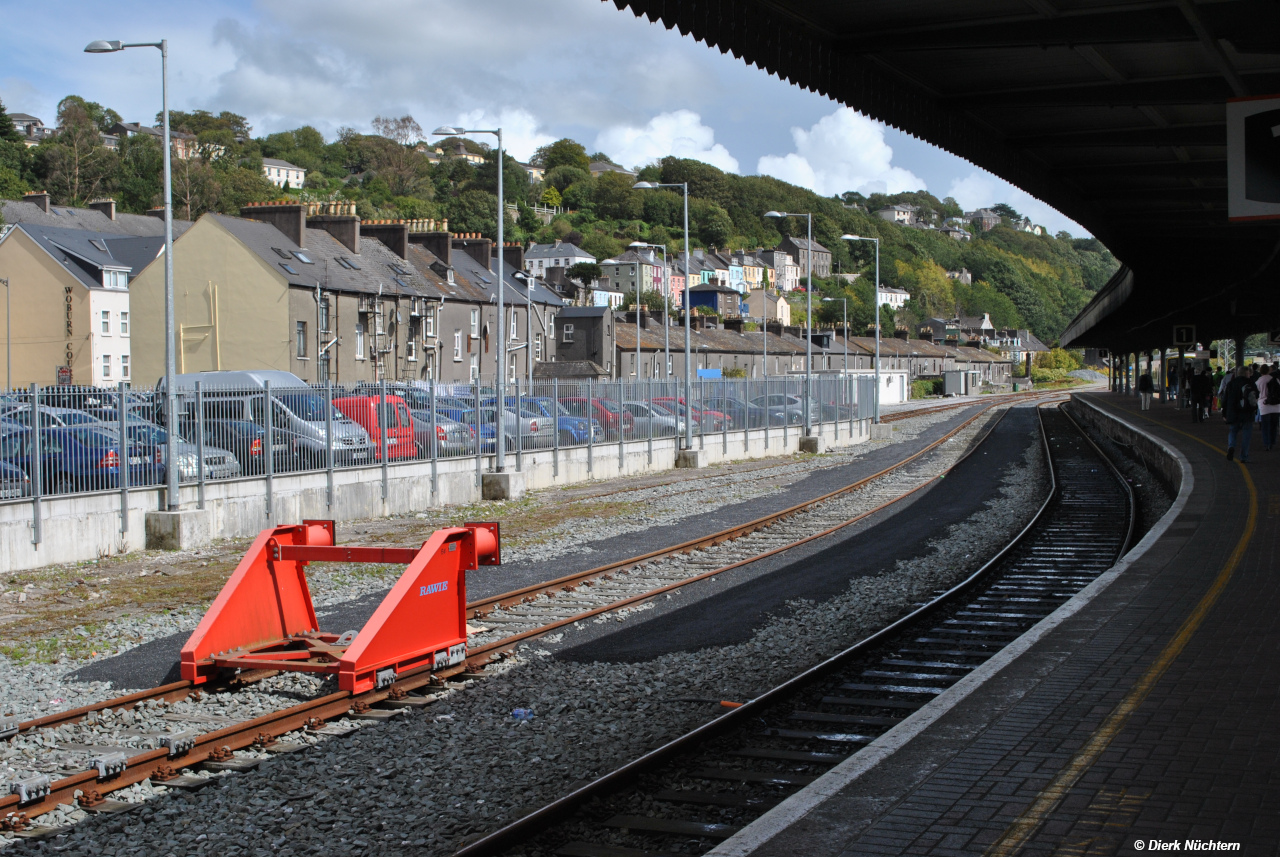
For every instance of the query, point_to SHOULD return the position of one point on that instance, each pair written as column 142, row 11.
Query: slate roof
column 16, row 211
column 85, row 253
column 548, row 251
column 805, row 244
column 468, row 269
column 276, row 162
column 720, row 341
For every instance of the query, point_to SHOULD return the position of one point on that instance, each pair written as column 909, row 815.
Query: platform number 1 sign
column 1184, row 334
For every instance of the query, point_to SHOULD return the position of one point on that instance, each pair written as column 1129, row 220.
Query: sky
column 539, row 70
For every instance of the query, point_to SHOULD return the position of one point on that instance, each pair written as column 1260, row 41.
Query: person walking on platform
column 1145, row 388
column 1201, row 389
column 1269, row 404
column 1239, row 406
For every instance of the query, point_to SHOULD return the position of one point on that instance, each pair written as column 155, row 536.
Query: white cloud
column 843, row 151
column 680, row 133
column 980, row 189
column 520, row 133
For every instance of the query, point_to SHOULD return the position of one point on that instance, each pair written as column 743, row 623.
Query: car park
column 216, row 463
column 653, row 420
column 616, row 422
column 79, row 458
column 572, row 429
column 376, row 416
column 452, row 438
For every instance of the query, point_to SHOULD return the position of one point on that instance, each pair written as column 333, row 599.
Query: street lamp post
column 875, row 400
column 808, row 311
column 170, row 358
column 666, row 304
column 688, row 371
column 845, row 337
column 500, row 460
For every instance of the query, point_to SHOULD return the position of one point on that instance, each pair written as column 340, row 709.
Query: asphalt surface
column 728, row 608
column 156, row 662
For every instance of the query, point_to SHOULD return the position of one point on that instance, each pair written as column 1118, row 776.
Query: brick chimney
column 38, row 197
column 902, row 333
column 106, row 206
column 513, row 255
column 393, row 233
column 439, row 244
column 478, row 248
column 289, row 217
column 345, row 228
column 157, row 212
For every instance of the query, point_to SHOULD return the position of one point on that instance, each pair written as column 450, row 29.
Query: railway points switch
column 264, row 618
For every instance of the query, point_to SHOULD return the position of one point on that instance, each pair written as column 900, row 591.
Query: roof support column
column 1239, row 351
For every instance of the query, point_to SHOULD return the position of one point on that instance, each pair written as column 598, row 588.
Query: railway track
column 514, row 617
column 703, row 787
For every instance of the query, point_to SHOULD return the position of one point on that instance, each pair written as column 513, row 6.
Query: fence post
column 477, row 421
column 724, row 426
column 435, row 445
column 702, row 390
column 199, row 442
column 269, row 418
column 766, row 412
column 648, row 386
column 382, row 433
column 328, row 443
column 591, row 412
column 620, row 398
column 122, row 410
column 555, row 409
column 37, row 456
column 745, row 398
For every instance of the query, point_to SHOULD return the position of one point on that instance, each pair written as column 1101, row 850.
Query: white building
column 896, row 298
column 279, row 172
column 539, row 257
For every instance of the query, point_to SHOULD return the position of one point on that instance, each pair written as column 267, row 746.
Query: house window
column 106, row 366
column 475, row 323
column 115, row 279
column 324, row 315
column 429, row 323
column 567, row 336
column 124, row 366
column 537, row 347
column 360, row 341
column 457, row 346
column 106, row 321
column 411, row 344
column 475, row 366
column 124, row 324
column 300, row 336
column 515, row 326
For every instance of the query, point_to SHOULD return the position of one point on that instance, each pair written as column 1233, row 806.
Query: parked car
column 615, row 421
column 792, row 405
column 572, row 429
column 246, row 440
column 452, row 437
column 703, row 418
column 217, row 463
column 375, row 417
column 13, row 482
column 653, row 420
column 78, row 458
column 49, row 417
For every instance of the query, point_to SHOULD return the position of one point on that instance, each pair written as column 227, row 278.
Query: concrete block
column 502, row 486
column 181, row 530
column 691, row 459
column 880, row 431
column 811, row 443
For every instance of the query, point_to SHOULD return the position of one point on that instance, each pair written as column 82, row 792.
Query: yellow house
column 69, row 298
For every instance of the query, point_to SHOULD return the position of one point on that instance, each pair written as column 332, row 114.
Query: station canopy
column 1112, row 112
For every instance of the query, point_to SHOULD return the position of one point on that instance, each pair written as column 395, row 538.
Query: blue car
column 78, row 458
column 572, row 430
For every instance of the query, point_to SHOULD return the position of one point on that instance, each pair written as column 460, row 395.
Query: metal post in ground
column 383, row 415
column 435, row 444
column 649, row 410
column 328, row 443
column 37, row 455
column 621, row 441
column 591, row 438
column 702, row 398
column 477, row 420
column 269, row 423
column 766, row 411
column 199, row 444
column 125, row 458
column 555, row 409
column 519, row 430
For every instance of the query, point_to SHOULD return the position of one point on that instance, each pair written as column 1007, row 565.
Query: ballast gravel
column 426, row 781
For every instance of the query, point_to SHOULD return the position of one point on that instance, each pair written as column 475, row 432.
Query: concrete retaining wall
column 1149, row 452
column 87, row 526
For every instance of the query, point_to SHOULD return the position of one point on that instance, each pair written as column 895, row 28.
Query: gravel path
column 419, row 784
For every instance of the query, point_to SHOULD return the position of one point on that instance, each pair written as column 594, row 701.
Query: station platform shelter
column 1145, row 712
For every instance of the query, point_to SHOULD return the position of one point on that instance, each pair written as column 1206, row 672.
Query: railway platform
column 1141, row 714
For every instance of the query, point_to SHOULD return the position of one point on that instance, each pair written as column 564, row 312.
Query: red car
column 611, row 416
column 368, row 414
column 704, row 418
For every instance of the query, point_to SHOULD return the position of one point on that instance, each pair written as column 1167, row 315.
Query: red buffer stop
column 264, row 618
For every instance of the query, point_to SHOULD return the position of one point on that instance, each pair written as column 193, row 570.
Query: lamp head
column 848, row 237
column 644, row 185
column 103, row 47
column 774, row 214
column 639, row 244
column 446, row 131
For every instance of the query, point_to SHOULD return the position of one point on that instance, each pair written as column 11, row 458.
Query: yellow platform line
column 1019, row 832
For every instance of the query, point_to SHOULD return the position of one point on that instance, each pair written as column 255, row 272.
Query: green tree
column 563, row 176
column 561, row 153
column 139, row 175
column 551, row 197
column 75, row 165
column 515, row 178
column 100, row 117
column 198, row 121
column 15, row 159
column 584, row 272
column 614, row 198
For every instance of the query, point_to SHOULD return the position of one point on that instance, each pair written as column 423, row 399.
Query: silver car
column 536, row 431
column 217, row 463
column 452, row 437
column 653, row 419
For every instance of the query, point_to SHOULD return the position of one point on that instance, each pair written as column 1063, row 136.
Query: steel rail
column 143, row 765
column 521, row 829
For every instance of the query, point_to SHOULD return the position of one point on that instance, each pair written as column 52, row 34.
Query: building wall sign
column 69, row 307
column 1253, row 158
